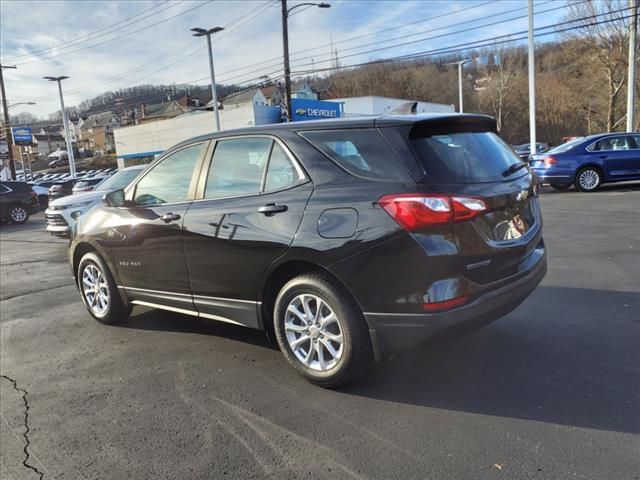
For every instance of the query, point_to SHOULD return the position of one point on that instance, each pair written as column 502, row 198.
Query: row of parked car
column 60, row 193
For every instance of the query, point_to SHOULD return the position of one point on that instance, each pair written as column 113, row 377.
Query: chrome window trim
column 589, row 148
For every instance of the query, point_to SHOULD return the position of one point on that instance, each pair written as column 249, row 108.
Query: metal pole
column 285, row 47
column 7, row 125
column 214, row 97
column 72, row 163
column 460, row 86
column 631, row 82
column 532, row 85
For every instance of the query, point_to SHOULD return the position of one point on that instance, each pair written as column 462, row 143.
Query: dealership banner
column 303, row 109
column 22, row 135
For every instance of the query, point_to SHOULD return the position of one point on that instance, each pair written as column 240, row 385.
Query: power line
column 487, row 42
column 93, row 35
column 120, row 37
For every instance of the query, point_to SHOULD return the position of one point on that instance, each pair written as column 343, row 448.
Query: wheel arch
column 280, row 275
column 80, row 249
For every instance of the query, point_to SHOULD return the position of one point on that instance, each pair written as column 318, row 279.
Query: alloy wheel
column 313, row 332
column 18, row 214
column 95, row 289
column 589, row 179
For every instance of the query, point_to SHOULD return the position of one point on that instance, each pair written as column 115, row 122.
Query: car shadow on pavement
column 566, row 356
column 159, row 320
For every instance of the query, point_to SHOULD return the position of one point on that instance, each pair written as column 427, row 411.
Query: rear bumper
column 394, row 332
column 549, row 176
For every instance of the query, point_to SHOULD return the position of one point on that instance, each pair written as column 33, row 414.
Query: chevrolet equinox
column 347, row 240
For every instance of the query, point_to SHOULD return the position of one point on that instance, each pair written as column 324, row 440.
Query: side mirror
column 114, row 199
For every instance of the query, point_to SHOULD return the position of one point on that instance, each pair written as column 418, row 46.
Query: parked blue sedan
column 588, row 162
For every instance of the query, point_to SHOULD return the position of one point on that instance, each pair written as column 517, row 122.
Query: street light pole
column 460, row 94
column 200, row 32
column 7, row 125
column 532, row 85
column 72, row 163
column 631, row 81
column 285, row 46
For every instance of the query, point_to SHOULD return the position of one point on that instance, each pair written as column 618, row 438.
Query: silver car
column 63, row 212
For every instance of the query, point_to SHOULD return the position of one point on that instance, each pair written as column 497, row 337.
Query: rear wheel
column 18, row 214
column 560, row 186
column 321, row 332
column 588, row 179
column 99, row 292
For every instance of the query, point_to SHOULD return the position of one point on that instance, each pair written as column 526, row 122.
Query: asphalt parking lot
column 552, row 391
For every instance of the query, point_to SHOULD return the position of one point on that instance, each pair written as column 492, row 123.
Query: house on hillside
column 96, row 132
column 273, row 95
column 305, row 92
column 253, row 96
column 160, row 111
column 49, row 141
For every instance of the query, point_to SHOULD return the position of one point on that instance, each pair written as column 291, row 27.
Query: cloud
column 156, row 46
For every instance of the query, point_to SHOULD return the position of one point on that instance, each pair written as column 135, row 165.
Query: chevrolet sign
column 314, row 109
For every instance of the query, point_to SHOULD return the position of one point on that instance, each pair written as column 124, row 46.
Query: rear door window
column 361, row 152
column 465, row 157
column 237, row 167
column 613, row 144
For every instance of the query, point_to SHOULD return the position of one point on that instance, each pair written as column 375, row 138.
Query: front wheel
column 99, row 291
column 588, row 179
column 321, row 331
column 18, row 214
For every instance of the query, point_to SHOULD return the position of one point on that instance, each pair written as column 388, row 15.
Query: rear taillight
column 445, row 305
column 417, row 211
column 549, row 160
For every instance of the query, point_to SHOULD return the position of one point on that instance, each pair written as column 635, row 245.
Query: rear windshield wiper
column 513, row 169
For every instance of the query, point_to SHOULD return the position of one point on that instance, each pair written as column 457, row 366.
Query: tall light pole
column 285, row 45
column 201, row 32
column 460, row 95
column 67, row 134
column 7, row 125
column 631, row 82
column 20, row 103
column 532, row 85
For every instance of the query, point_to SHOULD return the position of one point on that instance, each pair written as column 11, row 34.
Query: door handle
column 272, row 208
column 170, row 217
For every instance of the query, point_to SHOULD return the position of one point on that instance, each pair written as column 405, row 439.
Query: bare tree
column 604, row 27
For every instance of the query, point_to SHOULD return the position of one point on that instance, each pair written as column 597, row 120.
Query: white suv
column 63, row 212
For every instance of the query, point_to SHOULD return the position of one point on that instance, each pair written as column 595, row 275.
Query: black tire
column 356, row 353
column 588, row 179
column 116, row 310
column 561, row 187
column 18, row 214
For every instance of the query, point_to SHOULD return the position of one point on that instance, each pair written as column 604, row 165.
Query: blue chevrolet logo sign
column 314, row 109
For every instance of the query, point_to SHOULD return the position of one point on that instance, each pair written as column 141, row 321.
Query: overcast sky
column 106, row 45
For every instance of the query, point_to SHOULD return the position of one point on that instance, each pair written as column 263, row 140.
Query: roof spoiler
column 456, row 123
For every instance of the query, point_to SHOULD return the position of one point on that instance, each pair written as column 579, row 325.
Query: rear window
column 361, row 152
column 465, row 157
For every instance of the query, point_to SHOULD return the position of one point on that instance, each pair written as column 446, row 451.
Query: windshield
column 466, row 157
column 119, row 180
column 566, row 146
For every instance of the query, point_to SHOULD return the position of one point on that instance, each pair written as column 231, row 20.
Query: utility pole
column 67, row 133
column 287, row 66
column 7, row 125
column 532, row 85
column 199, row 32
column 633, row 65
column 285, row 46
